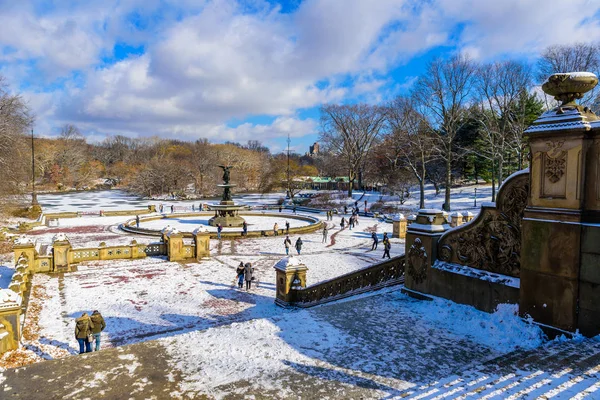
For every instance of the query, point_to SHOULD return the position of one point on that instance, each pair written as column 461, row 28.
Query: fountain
column 226, row 212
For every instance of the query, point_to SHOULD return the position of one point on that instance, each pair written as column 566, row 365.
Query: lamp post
column 289, row 194
column 475, row 202
column 34, row 201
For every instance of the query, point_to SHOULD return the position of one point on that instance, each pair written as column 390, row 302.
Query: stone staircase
column 567, row 370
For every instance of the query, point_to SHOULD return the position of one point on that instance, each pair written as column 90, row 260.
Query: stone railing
column 374, row 277
column 315, row 224
column 492, row 241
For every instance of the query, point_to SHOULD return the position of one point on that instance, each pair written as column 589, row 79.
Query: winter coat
column 98, row 322
column 287, row 243
column 83, row 327
column 375, row 238
column 387, row 245
column 248, row 270
column 240, row 270
column 298, row 244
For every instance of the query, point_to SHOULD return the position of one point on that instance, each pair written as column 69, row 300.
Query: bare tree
column 443, row 93
column 350, row 131
column 409, row 142
column 15, row 119
column 583, row 57
column 499, row 87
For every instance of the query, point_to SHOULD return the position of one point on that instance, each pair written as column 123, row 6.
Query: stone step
column 558, row 370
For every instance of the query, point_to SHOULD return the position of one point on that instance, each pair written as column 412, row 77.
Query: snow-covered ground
column 462, row 199
column 144, row 299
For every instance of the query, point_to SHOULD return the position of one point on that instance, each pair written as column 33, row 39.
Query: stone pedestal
column 10, row 320
column 175, row 250
column 421, row 248
column 290, row 275
column 456, row 219
column 202, row 242
column 60, row 253
column 399, row 225
column 560, row 260
column 25, row 247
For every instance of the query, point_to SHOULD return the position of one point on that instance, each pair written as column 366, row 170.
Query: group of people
column 287, row 243
column 386, row 244
column 245, row 272
column 88, row 329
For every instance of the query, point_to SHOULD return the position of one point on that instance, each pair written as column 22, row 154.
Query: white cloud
column 210, row 62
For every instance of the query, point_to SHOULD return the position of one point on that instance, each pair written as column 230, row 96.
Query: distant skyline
column 230, row 70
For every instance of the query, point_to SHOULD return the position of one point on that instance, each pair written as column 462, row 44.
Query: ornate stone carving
column 417, row 261
column 492, row 241
column 555, row 167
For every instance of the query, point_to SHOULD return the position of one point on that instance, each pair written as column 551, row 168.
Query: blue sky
column 255, row 69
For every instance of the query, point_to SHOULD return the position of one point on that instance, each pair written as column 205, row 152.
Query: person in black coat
column 375, row 241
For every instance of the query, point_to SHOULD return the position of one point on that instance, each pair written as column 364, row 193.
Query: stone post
column 456, row 219
column 25, row 247
column 175, row 250
column 60, row 253
column 399, row 224
column 10, row 320
column 152, row 208
column 467, row 217
column 560, row 257
column 202, row 242
column 290, row 276
column 421, row 248
column 135, row 251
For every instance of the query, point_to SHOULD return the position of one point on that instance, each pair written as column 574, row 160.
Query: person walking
column 219, row 230
column 172, row 208
column 275, row 229
column 83, row 329
column 248, row 271
column 351, row 222
column 343, row 223
column 137, row 221
column 98, row 327
column 345, row 209
column 325, row 229
column 193, row 208
column 245, row 229
column 294, row 209
column 287, row 243
column 298, row 245
column 240, row 274
column 386, row 247
column 287, row 227
column 375, row 241
column 160, row 207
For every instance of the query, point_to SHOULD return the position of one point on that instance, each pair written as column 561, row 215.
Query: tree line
column 461, row 121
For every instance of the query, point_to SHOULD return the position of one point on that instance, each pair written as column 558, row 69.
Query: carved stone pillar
column 202, row 242
column 290, row 275
column 399, row 226
column 10, row 320
column 25, row 247
column 175, row 251
column 421, row 248
column 560, row 268
column 60, row 253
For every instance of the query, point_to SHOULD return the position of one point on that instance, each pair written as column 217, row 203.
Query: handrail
column 371, row 278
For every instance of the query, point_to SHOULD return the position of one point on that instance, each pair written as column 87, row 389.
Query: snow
column 477, row 273
column 581, row 74
column 262, row 350
column 290, row 261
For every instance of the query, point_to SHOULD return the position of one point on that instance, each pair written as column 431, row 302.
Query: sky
column 239, row 70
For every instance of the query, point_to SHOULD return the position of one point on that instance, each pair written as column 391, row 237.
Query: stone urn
column 569, row 86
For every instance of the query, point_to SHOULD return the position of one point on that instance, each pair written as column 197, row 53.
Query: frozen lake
column 121, row 200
